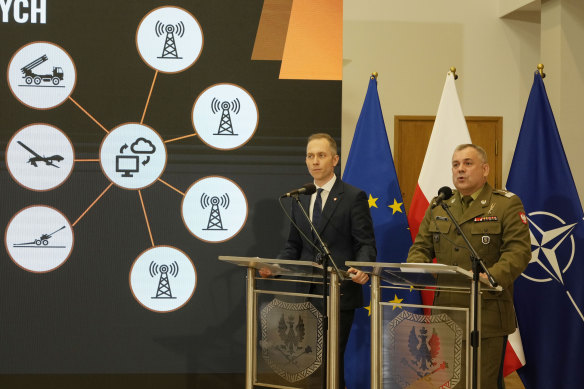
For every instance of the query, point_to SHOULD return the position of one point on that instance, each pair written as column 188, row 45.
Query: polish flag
column 449, row 131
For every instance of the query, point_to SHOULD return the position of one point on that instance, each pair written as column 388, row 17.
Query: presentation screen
column 140, row 140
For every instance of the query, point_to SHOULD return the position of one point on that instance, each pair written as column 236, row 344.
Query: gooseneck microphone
column 444, row 194
column 307, row 189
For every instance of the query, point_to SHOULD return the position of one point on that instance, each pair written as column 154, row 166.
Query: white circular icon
column 225, row 116
column 169, row 39
column 40, row 157
column 132, row 156
column 163, row 279
column 39, row 239
column 41, row 75
column 214, row 209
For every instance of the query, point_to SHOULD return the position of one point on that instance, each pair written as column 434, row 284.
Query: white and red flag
column 449, row 131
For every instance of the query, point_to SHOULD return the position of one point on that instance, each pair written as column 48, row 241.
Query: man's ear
column 335, row 160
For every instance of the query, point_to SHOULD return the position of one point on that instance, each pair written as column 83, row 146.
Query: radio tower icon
column 225, row 125
column 169, row 51
column 163, row 291
column 214, row 223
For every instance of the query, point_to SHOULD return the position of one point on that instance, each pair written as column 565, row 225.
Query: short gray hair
column 479, row 149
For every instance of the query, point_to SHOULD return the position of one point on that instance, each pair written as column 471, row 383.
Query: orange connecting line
column 87, row 113
column 92, row 204
column 148, row 99
column 171, row 187
column 146, row 217
column 179, row 138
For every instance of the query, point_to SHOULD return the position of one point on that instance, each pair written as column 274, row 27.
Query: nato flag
column 549, row 295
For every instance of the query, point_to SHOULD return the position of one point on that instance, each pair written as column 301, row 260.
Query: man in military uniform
column 495, row 223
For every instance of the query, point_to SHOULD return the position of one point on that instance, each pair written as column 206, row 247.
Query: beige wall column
column 562, row 34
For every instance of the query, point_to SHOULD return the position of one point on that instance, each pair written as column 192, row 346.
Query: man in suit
column 340, row 213
column 495, row 223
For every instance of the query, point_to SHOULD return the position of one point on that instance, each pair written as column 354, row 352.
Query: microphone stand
column 476, row 263
column 326, row 257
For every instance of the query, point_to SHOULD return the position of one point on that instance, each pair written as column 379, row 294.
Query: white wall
column 412, row 44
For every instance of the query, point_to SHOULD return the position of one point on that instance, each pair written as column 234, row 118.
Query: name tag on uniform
column 486, row 219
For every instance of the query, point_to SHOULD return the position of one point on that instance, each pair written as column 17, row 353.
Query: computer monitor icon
column 127, row 164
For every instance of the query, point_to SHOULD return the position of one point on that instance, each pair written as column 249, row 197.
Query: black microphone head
column 445, row 192
column 309, row 188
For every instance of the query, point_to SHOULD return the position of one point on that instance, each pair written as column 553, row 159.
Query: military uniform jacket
column 496, row 226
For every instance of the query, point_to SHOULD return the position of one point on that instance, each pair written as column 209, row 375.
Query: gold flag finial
column 374, row 75
column 540, row 70
column 453, row 71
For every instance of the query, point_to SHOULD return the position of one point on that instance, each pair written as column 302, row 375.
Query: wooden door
column 411, row 137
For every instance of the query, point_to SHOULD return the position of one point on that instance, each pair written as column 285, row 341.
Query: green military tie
column 466, row 200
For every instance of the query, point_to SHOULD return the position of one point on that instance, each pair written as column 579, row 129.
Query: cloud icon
column 142, row 146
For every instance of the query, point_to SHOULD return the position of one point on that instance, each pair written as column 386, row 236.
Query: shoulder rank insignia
column 486, row 219
column 505, row 193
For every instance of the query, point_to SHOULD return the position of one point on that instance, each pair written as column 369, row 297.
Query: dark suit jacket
column 345, row 226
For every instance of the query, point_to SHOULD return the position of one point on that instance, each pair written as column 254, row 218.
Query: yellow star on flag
column 396, row 300
column 368, row 308
column 372, row 201
column 395, row 206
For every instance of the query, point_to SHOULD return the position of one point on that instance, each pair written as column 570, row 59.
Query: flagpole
column 374, row 75
column 453, row 71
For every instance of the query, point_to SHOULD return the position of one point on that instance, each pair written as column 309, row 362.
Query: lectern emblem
column 291, row 339
column 423, row 350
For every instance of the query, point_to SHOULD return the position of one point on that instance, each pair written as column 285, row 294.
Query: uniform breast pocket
column 486, row 237
column 438, row 228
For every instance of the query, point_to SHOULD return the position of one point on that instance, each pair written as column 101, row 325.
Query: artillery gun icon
column 42, row 241
column 29, row 76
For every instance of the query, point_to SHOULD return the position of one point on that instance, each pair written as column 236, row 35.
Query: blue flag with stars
column 549, row 295
column 370, row 167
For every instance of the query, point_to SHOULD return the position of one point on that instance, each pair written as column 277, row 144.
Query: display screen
column 140, row 141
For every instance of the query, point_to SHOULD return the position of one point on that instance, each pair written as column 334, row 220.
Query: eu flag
column 370, row 167
column 549, row 295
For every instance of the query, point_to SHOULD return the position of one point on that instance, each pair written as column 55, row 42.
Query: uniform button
column 454, row 263
column 456, row 249
column 457, row 232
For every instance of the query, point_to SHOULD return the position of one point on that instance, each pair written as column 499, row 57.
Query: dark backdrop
column 82, row 318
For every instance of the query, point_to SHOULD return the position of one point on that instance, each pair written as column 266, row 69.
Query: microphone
column 306, row 189
column 444, row 193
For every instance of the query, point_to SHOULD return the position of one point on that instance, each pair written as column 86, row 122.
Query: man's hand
column 265, row 272
column 359, row 277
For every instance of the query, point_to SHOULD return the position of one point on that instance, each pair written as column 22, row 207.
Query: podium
column 284, row 336
column 421, row 346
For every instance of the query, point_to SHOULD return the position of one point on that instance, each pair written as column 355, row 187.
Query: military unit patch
column 523, row 217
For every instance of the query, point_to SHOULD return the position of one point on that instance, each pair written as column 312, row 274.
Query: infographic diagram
column 132, row 156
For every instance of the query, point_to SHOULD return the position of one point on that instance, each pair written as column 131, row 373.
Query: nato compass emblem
column 424, row 350
column 291, row 339
column 553, row 249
